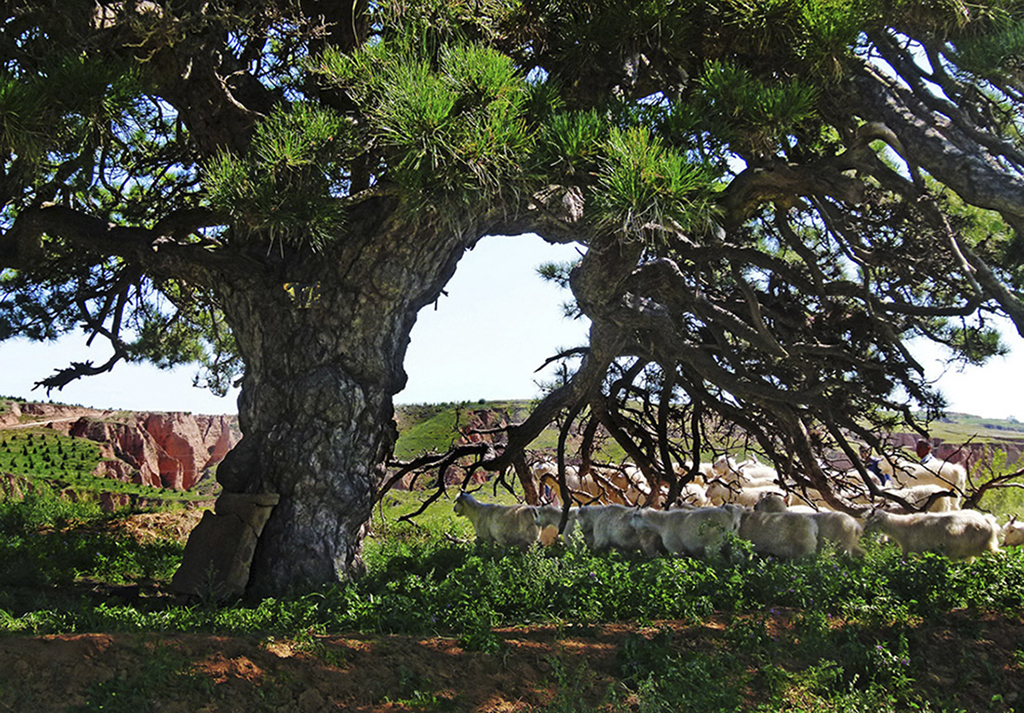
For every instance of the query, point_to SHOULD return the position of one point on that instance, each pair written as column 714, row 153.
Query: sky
column 498, row 323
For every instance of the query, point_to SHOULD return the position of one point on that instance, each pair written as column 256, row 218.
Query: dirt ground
column 533, row 667
column 359, row 673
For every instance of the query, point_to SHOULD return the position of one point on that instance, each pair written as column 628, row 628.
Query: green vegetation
column 734, row 633
column 430, row 428
column 51, row 547
column 51, row 459
column 47, row 454
column 427, row 427
column 959, row 428
column 829, row 633
column 1007, row 501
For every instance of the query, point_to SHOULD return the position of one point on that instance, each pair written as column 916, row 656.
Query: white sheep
column 906, row 473
column 610, row 485
column 581, row 490
column 753, row 473
column 505, row 525
column 788, row 535
column 545, row 473
column 606, row 526
column 748, row 473
column 720, row 492
column 551, row 516
column 837, row 527
column 918, row 495
column 587, row 489
column 694, row 494
column 631, row 481
column 705, row 471
column 811, row 498
column 726, row 467
column 593, row 487
column 963, row 534
column 686, row 531
column 1013, row 533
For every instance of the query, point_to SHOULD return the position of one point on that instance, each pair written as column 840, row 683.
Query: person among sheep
column 547, row 493
column 871, row 464
column 924, row 452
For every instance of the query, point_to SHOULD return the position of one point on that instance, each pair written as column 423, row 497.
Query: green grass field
column 46, row 457
column 432, row 427
column 47, row 454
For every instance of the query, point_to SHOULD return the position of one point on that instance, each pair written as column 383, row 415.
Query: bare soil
column 350, row 673
column 360, row 672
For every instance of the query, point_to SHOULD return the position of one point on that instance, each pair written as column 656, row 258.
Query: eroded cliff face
column 162, row 450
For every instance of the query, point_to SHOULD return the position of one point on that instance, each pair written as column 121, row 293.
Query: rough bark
column 318, row 420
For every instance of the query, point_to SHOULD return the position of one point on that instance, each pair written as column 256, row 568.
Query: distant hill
column 118, row 456
column 435, row 427
column 961, row 426
column 115, row 451
column 423, row 428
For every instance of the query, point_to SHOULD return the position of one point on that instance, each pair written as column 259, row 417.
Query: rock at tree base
column 220, row 549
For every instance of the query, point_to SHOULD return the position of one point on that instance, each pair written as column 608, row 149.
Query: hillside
column 960, row 427
column 121, row 456
column 129, row 455
column 439, row 624
column 435, row 427
column 427, row 427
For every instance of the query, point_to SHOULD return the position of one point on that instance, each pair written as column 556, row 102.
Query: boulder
column 14, row 487
column 216, row 561
column 109, row 502
column 115, row 469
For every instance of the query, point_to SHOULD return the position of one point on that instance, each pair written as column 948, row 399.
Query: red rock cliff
column 162, row 450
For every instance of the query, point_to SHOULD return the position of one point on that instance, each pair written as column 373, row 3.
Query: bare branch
column 77, row 370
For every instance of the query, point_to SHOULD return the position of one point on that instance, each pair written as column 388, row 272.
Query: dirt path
column 37, row 424
column 335, row 673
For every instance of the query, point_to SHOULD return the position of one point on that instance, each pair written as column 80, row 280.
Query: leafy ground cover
column 440, row 624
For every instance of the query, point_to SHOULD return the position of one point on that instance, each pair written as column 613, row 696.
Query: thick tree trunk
column 323, row 360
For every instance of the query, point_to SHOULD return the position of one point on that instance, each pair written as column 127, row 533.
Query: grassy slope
column 68, row 462
column 423, row 428
column 435, row 427
column 441, row 625
column 41, row 455
column 960, row 427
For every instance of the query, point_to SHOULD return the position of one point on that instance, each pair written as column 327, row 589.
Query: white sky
column 499, row 322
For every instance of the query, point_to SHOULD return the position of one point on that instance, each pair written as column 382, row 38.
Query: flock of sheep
column 938, row 485
column 749, row 501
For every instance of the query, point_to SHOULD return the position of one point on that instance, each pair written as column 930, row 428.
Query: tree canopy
column 774, row 197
